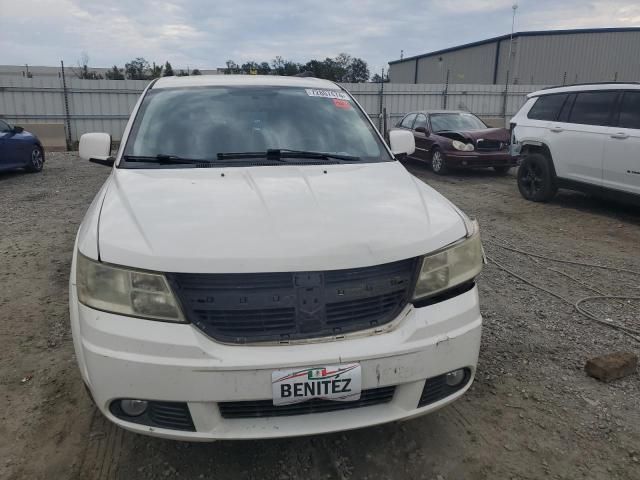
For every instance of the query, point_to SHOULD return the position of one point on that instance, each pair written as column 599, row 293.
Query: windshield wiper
column 287, row 153
column 279, row 154
column 163, row 158
column 246, row 155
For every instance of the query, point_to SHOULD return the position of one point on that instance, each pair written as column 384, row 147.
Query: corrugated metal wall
column 473, row 65
column 105, row 105
column 585, row 57
column 536, row 59
column 486, row 101
column 403, row 72
column 94, row 105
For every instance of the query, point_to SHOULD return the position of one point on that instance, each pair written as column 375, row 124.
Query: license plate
column 341, row 383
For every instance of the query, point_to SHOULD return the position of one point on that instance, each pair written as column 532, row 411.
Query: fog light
column 464, row 162
column 455, row 378
column 133, row 408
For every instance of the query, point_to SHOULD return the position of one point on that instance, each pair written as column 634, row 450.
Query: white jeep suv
column 581, row 137
column 258, row 264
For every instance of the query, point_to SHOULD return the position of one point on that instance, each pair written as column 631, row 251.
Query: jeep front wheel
column 536, row 180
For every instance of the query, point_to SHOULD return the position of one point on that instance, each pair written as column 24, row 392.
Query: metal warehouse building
column 551, row 57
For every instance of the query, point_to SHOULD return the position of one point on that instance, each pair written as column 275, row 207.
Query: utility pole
column 65, row 97
column 514, row 7
column 445, row 92
column 381, row 106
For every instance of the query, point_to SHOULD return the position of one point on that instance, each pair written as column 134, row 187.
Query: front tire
column 37, row 160
column 438, row 162
column 536, row 180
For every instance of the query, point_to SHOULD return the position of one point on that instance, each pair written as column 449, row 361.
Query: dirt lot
column 532, row 412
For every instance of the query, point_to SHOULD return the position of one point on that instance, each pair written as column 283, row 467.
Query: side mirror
column 422, row 130
column 402, row 142
column 17, row 129
column 96, row 147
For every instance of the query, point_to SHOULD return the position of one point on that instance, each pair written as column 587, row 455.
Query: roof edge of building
column 532, row 33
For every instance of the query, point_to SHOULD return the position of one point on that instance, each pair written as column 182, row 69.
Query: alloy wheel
column 36, row 159
column 532, row 180
column 436, row 161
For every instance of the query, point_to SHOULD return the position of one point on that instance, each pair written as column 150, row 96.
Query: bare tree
column 82, row 70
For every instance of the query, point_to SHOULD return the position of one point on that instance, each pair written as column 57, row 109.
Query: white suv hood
column 269, row 219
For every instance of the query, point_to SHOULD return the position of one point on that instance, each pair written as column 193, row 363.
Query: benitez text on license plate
column 332, row 382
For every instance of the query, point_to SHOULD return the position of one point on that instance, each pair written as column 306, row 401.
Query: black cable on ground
column 576, row 305
column 560, row 260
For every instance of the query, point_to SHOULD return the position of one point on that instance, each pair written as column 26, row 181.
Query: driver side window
column 4, row 126
column 407, row 122
column 421, row 121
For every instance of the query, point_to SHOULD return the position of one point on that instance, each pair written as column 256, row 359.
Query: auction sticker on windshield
column 313, row 92
column 334, row 382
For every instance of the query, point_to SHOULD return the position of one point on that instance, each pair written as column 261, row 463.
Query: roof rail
column 591, row 83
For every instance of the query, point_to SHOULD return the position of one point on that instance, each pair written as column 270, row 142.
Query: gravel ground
column 532, row 412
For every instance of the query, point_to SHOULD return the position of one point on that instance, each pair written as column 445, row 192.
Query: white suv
column 581, row 137
column 258, row 264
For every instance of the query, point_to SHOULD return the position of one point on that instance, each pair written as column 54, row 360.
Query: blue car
column 19, row 149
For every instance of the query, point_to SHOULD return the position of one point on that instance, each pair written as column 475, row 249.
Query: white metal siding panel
column 105, row 105
column 482, row 100
column 94, row 105
column 586, row 57
column 34, row 100
column 538, row 59
column 470, row 65
column 403, row 72
column 503, row 60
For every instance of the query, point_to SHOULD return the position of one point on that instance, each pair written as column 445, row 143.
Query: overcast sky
column 204, row 34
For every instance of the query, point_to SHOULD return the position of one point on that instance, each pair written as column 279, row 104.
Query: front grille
column 366, row 308
column 436, row 388
column 171, row 415
column 243, row 308
column 484, row 145
column 266, row 408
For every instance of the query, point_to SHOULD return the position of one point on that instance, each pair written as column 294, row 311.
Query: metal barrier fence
column 388, row 102
column 104, row 105
column 82, row 105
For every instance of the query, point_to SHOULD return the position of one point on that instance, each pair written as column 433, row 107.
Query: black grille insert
column 243, row 308
column 436, row 388
column 172, row 415
column 266, row 408
column 485, row 145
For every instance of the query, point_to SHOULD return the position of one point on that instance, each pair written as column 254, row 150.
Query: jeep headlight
column 125, row 291
column 452, row 266
column 465, row 147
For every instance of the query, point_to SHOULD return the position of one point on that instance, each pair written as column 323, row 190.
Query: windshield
column 205, row 122
column 441, row 122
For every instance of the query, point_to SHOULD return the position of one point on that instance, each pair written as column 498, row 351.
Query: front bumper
column 123, row 357
column 478, row 159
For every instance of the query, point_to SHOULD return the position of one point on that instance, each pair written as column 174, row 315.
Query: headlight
column 125, row 291
column 453, row 266
column 465, row 147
